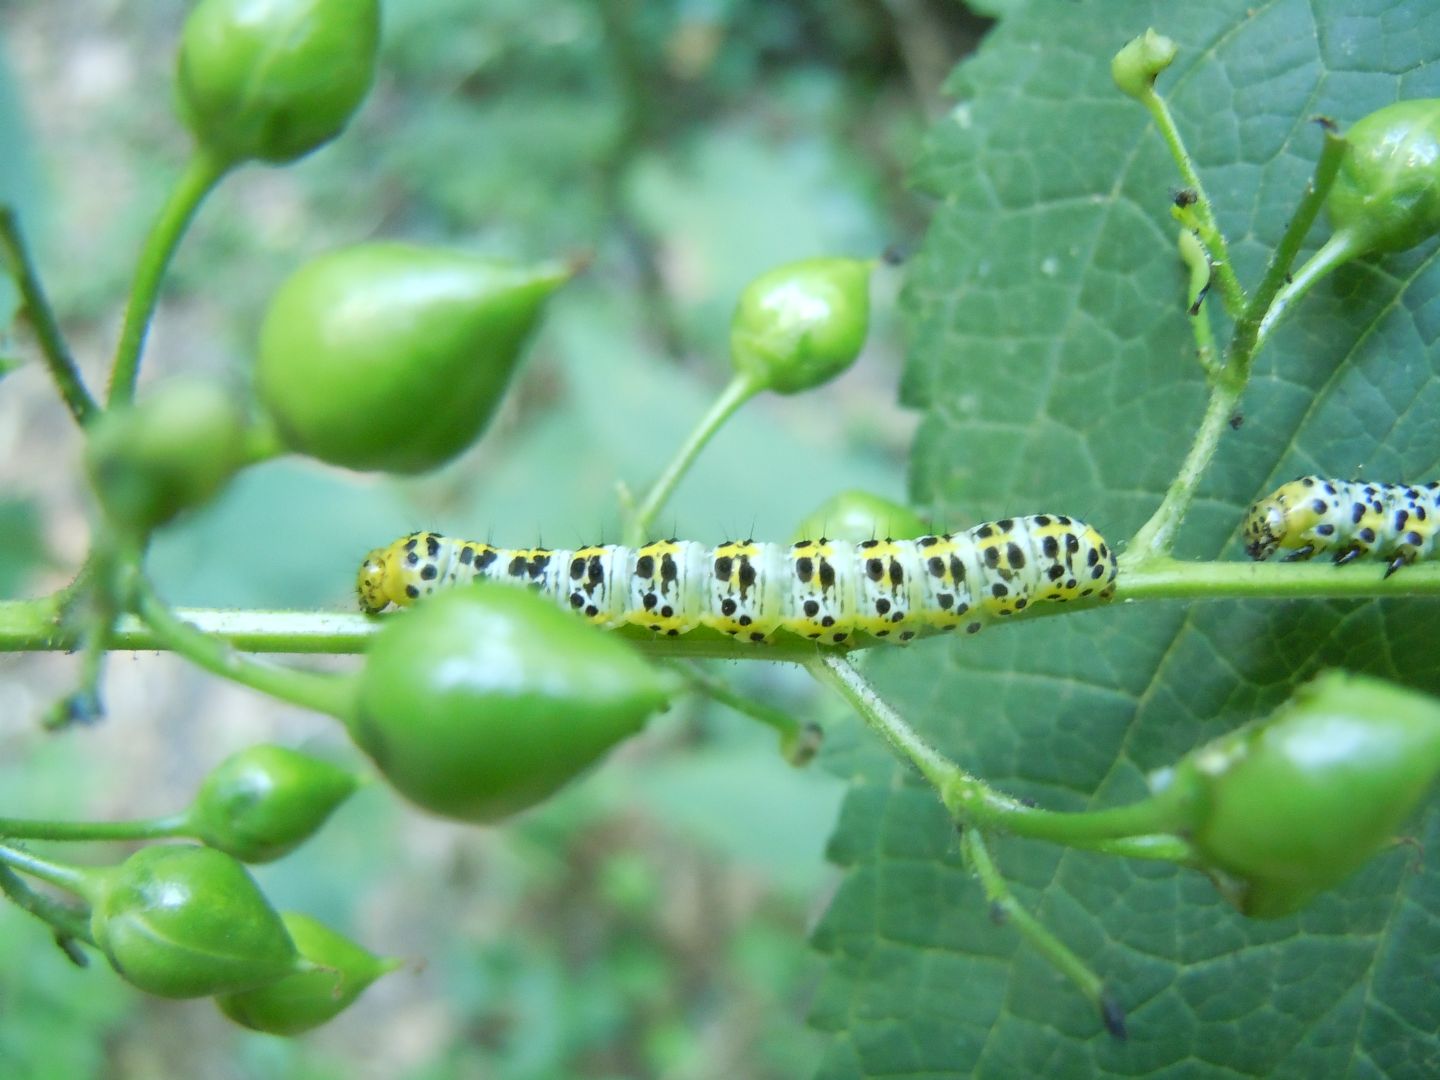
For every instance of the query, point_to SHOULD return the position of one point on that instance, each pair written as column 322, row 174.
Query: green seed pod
column 857, row 516
column 266, row 801
column 1290, row 805
column 1137, row 65
column 275, row 79
column 484, row 699
column 801, row 324
column 174, row 450
column 306, row 999
column 1387, row 193
column 393, row 356
column 183, row 921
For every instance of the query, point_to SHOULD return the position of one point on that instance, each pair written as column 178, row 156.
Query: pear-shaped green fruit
column 484, row 699
column 393, row 356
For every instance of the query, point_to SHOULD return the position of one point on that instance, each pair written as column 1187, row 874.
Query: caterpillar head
column 370, row 582
column 1264, row 528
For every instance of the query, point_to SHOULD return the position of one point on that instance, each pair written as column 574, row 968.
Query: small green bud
column 265, row 801
column 174, row 450
column 1137, row 65
column 1290, row 805
column 272, row 80
column 184, row 921
column 801, row 324
column 1387, row 191
column 394, row 356
column 340, row 972
column 856, row 516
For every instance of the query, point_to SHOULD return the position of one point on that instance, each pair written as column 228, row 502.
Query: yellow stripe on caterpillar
column 827, row 591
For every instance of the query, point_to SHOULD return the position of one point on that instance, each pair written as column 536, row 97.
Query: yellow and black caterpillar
column 826, row 590
column 1351, row 518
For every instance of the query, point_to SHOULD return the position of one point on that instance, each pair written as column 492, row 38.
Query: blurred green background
column 651, row 921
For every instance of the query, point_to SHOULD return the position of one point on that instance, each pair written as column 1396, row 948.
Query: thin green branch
column 67, row 921
column 969, row 799
column 74, row 879
column 739, row 391
column 1262, row 307
column 798, row 742
column 42, row 318
column 1055, row 952
column 160, row 828
column 329, row 694
column 36, row 626
column 1157, row 536
column 1229, row 285
column 202, row 172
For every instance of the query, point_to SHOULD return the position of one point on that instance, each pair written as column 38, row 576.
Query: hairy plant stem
column 637, row 528
column 1262, row 309
column 1157, row 536
column 1231, row 291
column 202, row 172
column 58, row 359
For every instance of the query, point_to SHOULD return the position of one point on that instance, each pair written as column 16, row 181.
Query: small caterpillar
column 823, row 590
column 1352, row 518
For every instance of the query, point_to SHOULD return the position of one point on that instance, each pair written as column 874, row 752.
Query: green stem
column 67, row 922
column 1262, row 308
column 74, row 879
column 968, row 798
column 1338, row 250
column 147, row 829
column 36, row 625
column 202, row 172
column 329, row 694
column 1157, row 536
column 1231, row 290
column 1003, row 901
column 739, row 391
column 798, row 742
column 42, row 317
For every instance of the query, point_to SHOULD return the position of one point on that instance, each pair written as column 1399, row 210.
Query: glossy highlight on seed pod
column 1289, row 806
column 184, row 921
column 274, row 80
column 483, row 700
column 393, row 356
column 801, row 324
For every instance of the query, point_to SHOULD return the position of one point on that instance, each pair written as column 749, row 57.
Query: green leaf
column 1053, row 365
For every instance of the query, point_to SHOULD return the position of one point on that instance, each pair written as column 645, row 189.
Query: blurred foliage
column 650, row 921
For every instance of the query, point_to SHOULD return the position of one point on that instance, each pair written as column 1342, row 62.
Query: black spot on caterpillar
column 1350, row 518
column 823, row 590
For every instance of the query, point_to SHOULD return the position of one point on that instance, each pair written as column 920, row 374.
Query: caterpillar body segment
column 827, row 591
column 1350, row 519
